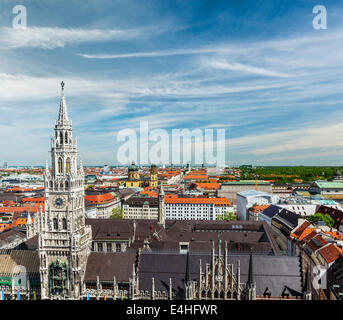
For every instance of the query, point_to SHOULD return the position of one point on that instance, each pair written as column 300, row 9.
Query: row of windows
column 65, row 184
column 101, row 247
column 56, row 224
column 60, row 165
column 66, row 138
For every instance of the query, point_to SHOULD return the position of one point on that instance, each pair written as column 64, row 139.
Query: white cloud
column 164, row 53
column 235, row 66
column 51, row 38
column 291, row 141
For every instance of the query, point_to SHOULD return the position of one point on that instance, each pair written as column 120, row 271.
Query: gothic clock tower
column 64, row 239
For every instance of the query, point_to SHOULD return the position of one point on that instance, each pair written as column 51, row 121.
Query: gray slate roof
column 272, row 274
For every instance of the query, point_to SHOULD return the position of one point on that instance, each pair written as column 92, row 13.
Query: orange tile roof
column 100, row 198
column 4, row 226
column 18, row 209
column 195, row 177
column 259, row 207
column 330, row 252
column 300, row 230
column 215, row 201
column 314, row 246
column 34, row 200
column 208, row 185
column 19, row 221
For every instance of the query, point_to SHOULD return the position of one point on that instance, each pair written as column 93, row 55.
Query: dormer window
column 184, row 247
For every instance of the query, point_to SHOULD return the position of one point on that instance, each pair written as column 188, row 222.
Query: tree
column 325, row 218
column 227, row 216
column 117, row 213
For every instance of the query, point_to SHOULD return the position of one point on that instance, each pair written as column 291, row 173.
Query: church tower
column 153, row 176
column 161, row 208
column 64, row 239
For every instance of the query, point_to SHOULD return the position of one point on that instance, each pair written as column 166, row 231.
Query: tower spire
column 250, row 288
column 63, row 114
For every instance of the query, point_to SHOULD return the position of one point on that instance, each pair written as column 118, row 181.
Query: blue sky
column 256, row 68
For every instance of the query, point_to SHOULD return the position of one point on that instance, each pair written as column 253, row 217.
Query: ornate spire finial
column 63, row 114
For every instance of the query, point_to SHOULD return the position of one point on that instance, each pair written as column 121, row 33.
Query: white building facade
column 196, row 208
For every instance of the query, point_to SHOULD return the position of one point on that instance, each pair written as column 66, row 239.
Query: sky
column 257, row 69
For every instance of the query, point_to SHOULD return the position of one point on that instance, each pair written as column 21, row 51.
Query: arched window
column 64, row 224
column 61, row 185
column 50, row 184
column 61, row 137
column 59, row 165
column 67, row 184
column 68, row 165
column 66, row 137
column 55, row 224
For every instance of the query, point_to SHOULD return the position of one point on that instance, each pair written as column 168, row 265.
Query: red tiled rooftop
column 330, row 252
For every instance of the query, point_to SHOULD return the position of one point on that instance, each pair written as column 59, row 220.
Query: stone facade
column 63, row 238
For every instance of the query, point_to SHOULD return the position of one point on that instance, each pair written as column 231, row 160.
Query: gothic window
column 50, row 184
column 67, row 184
column 66, row 137
column 58, row 277
column 55, row 224
column 64, row 224
column 61, row 137
column 59, row 165
column 61, row 185
column 68, row 165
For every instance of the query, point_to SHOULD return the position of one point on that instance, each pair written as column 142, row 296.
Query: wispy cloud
column 235, row 66
column 163, row 53
column 51, row 38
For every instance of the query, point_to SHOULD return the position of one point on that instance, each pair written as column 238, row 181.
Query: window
column 59, row 165
column 100, row 247
column 68, row 165
column 109, row 247
column 118, row 247
column 61, row 137
column 55, row 224
column 64, row 224
column 66, row 137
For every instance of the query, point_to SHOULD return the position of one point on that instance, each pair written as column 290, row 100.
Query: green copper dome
column 133, row 167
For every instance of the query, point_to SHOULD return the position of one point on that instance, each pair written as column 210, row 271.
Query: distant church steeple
column 161, row 208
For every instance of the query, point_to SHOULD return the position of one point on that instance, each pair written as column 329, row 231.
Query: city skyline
column 261, row 71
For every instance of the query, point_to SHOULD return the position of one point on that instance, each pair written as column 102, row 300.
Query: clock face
column 59, row 202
